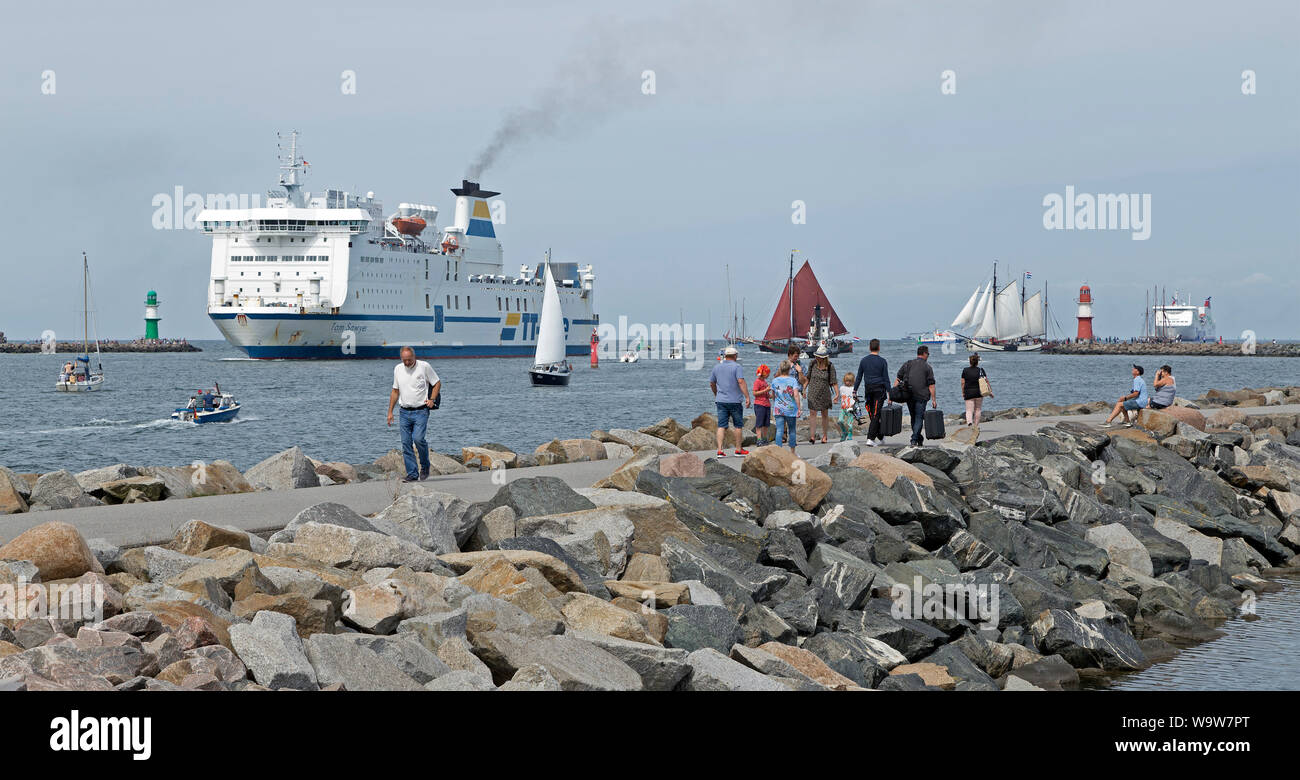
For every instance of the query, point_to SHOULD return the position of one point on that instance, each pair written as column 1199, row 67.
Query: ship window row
column 279, row 258
column 521, row 304
column 286, row 224
column 453, row 302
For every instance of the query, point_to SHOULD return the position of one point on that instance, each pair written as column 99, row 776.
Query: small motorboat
column 206, row 407
column 630, row 356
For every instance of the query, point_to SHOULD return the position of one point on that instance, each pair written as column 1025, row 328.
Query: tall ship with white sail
column 1003, row 319
column 330, row 276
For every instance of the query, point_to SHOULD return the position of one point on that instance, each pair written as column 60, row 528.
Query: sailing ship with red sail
column 804, row 317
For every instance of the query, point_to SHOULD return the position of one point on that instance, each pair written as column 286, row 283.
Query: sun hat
column 821, row 352
column 730, row 351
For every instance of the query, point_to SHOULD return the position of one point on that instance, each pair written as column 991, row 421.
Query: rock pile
column 1020, row 563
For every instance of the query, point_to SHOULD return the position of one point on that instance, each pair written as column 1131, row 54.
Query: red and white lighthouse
column 1085, row 313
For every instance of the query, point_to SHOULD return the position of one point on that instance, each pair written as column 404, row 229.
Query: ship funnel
column 473, row 216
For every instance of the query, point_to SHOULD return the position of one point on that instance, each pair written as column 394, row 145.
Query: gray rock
column 845, row 580
column 802, row 524
column 325, row 513
column 105, row 552
column 285, row 470
column 575, row 664
column 701, row 594
column 693, row 626
column 156, row 564
column 460, row 681
column 533, row 496
column 59, row 490
column 349, row 548
column 760, row 624
column 711, row 670
column 532, row 677
column 336, row 659
column 419, row 519
column 91, row 479
column 862, row 660
column 1121, row 546
column 273, row 652
column 962, row 669
column 1050, row 673
column 591, row 579
column 660, row 668
column 406, row 653
column 432, row 630
column 1087, row 642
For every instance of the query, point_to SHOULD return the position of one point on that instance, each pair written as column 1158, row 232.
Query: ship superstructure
column 1182, row 321
column 330, row 276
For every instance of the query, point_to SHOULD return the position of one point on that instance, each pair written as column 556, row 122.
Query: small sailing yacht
column 76, row 375
column 549, row 364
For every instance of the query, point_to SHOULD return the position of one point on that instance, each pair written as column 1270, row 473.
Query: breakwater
column 76, row 347
column 1028, row 561
column 1175, row 348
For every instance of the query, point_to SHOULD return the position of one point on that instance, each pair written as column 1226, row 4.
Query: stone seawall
column 1260, row 349
column 75, row 348
column 1029, row 561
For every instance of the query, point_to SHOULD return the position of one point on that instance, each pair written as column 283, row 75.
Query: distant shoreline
column 1182, row 348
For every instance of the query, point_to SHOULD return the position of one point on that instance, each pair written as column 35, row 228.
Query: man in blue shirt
column 1135, row 399
column 873, row 377
column 729, row 388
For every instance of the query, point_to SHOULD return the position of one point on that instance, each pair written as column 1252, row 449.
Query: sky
column 910, row 195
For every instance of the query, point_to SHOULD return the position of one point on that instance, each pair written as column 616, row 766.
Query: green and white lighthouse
column 151, row 316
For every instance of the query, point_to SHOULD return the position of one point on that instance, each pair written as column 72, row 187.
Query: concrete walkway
column 151, row 523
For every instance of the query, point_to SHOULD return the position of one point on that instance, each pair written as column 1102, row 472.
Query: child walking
column 847, row 402
column 786, row 405
column 762, row 404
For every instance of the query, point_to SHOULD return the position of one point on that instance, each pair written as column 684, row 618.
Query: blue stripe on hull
column 426, row 351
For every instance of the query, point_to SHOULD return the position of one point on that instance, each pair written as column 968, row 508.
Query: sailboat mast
column 85, row 305
column 994, row 302
column 792, row 251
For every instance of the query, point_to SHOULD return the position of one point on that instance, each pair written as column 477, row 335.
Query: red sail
column 807, row 294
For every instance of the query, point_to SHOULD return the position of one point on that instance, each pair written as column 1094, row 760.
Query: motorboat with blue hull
column 208, row 408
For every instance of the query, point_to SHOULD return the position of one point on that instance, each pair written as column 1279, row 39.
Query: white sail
column 1034, row 316
column 984, row 316
column 550, row 331
column 1010, row 324
column 967, row 312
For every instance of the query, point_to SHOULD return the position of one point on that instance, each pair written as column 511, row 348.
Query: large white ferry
column 328, row 276
column 1183, row 321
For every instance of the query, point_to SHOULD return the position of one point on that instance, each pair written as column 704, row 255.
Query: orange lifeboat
column 409, row 226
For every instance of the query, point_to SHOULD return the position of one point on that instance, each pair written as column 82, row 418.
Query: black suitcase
column 933, row 424
column 891, row 420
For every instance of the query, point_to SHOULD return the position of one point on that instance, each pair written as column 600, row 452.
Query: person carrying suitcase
column 873, row 377
column 918, row 378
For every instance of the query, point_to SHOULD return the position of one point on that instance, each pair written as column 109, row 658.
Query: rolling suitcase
column 933, row 424
column 891, row 419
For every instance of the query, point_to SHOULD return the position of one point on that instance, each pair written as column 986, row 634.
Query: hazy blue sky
column 911, row 194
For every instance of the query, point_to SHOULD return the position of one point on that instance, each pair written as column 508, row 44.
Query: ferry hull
column 275, row 336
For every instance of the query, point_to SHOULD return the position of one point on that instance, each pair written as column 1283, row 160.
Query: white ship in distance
column 329, row 276
column 1182, row 321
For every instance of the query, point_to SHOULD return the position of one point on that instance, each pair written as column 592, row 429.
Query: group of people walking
column 780, row 401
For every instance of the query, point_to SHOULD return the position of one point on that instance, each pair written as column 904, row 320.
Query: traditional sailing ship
column 78, row 376
column 1003, row 320
column 801, row 301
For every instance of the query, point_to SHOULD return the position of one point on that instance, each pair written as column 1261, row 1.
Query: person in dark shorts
column 873, row 378
column 728, row 384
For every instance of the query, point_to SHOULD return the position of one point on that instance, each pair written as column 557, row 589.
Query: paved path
column 134, row 524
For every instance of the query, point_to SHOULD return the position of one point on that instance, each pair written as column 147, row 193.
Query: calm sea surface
column 1255, row 655
column 335, row 409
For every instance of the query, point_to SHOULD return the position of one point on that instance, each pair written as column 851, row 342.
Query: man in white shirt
column 415, row 386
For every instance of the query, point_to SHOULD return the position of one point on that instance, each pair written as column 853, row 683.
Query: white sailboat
column 1002, row 319
column 77, row 376
column 549, row 364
